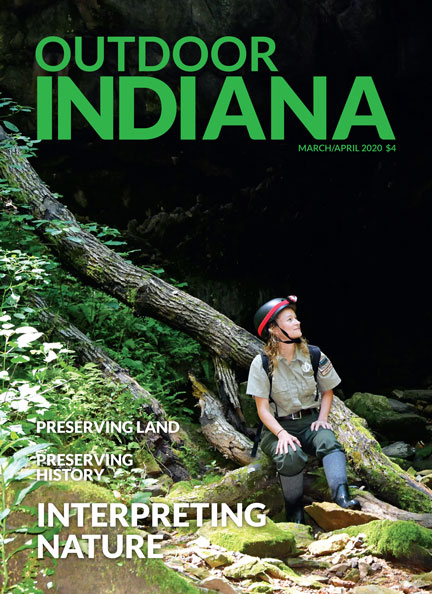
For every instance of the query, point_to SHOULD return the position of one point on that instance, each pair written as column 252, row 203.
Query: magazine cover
column 214, row 322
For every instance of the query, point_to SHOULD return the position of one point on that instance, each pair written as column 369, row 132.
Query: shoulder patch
column 325, row 365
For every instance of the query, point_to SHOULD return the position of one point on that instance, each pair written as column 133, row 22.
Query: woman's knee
column 291, row 463
column 325, row 442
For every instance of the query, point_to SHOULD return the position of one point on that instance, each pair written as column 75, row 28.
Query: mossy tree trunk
column 159, row 444
column 365, row 455
column 149, row 295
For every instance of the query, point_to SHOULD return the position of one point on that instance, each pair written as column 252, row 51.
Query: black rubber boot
column 292, row 491
column 343, row 499
column 294, row 512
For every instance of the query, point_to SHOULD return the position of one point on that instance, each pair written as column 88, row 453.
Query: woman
column 296, row 422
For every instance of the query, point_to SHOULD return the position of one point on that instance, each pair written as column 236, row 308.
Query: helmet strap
column 290, row 341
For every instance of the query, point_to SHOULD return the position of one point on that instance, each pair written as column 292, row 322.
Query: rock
column 423, row 580
column 213, row 558
column 272, row 561
column 403, row 541
column 399, row 449
column 302, row 533
column 249, row 566
column 414, row 395
column 363, row 568
column 353, row 575
column 201, row 541
column 340, row 568
column 336, row 581
column 401, row 407
column 299, row 562
column 330, row 516
column 373, row 590
column 382, row 418
column 98, row 574
column 326, row 546
column 260, row 588
column 262, row 541
column 218, row 584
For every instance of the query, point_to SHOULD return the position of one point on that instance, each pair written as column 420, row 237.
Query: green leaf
column 4, row 514
column 32, row 449
column 10, row 126
column 12, row 469
column 141, row 497
column 75, row 239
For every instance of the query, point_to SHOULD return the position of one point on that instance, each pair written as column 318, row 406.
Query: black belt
column 299, row 414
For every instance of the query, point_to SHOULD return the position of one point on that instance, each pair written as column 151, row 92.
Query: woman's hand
column 318, row 424
column 286, row 440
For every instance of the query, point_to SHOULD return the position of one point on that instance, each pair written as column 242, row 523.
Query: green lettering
column 234, row 85
column 69, row 94
column 100, row 53
column 315, row 122
column 187, row 108
column 127, row 86
column 142, row 54
column 44, row 107
column 66, row 54
column 179, row 62
column 215, row 53
column 377, row 117
column 262, row 55
column 121, row 46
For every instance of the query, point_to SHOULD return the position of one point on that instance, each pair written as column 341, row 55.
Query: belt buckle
column 297, row 415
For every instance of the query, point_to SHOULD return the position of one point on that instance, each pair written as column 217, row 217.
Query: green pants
column 316, row 443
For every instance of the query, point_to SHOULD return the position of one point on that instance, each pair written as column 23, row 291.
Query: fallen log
column 149, row 295
column 252, row 483
column 368, row 461
column 217, row 430
column 159, row 444
column 385, row 511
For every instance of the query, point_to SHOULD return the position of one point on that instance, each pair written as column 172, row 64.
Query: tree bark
column 385, row 511
column 159, row 444
column 228, row 394
column 149, row 295
column 217, row 430
column 381, row 475
column 254, row 482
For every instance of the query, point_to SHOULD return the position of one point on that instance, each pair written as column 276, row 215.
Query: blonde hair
column 271, row 348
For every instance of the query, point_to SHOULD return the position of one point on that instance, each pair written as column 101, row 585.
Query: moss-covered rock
column 302, row 533
column 382, row 418
column 402, row 541
column 263, row 541
column 100, row 574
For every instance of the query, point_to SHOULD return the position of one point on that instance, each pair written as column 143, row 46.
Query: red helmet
column 268, row 312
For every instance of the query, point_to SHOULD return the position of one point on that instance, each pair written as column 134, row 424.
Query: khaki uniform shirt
column 294, row 387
